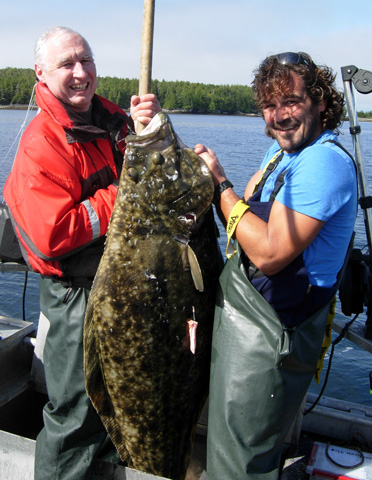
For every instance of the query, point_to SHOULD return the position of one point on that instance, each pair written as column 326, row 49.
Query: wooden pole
column 146, row 52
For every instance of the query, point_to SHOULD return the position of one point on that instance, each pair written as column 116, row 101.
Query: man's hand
column 144, row 108
column 212, row 162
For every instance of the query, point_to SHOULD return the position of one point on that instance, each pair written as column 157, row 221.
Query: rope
column 334, row 343
column 30, row 108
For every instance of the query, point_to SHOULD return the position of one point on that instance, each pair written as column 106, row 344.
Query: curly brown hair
column 272, row 78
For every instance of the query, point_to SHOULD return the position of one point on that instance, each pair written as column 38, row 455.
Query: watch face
column 224, row 185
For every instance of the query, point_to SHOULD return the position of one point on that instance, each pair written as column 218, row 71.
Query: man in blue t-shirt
column 292, row 231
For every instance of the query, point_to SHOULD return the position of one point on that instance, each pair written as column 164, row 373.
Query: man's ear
column 39, row 73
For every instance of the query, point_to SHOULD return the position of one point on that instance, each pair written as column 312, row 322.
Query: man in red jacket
column 61, row 192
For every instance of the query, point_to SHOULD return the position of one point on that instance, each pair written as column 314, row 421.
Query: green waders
column 260, row 373
column 73, row 433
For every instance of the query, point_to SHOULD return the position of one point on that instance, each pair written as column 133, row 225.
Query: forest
column 16, row 86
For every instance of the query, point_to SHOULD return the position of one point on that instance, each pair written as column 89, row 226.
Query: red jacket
column 60, row 191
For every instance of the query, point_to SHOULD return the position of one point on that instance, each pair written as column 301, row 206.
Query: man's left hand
column 210, row 158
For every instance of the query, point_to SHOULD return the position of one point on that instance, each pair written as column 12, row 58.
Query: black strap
column 269, row 169
column 340, row 146
column 280, row 180
column 278, row 185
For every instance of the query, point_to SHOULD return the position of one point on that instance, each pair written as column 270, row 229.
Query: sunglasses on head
column 291, row 58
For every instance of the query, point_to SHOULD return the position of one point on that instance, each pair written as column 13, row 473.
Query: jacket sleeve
column 46, row 206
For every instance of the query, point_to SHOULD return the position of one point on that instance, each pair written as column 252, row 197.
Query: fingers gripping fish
column 159, row 270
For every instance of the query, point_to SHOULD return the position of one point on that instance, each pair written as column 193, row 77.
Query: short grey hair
column 40, row 47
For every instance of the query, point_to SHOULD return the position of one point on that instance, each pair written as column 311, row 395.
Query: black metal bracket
column 362, row 79
column 365, row 202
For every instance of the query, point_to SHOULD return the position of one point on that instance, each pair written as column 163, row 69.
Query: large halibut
column 147, row 374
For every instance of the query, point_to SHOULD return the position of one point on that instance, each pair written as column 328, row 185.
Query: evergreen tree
column 16, row 85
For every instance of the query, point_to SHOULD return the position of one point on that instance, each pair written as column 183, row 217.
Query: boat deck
column 294, row 466
column 331, row 421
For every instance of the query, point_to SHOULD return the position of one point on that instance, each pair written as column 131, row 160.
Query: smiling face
column 292, row 118
column 69, row 71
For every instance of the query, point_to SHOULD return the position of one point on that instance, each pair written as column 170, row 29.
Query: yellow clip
column 327, row 339
column 236, row 214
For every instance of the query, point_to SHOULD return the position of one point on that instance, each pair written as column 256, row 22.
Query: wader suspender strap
column 273, row 163
column 352, row 158
column 278, row 185
column 340, row 146
column 327, row 336
column 270, row 167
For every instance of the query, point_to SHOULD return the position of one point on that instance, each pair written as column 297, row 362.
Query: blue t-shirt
column 320, row 182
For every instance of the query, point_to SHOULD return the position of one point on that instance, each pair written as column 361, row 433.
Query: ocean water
column 240, row 144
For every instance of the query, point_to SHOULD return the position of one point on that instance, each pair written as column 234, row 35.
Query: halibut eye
column 133, row 174
column 157, row 158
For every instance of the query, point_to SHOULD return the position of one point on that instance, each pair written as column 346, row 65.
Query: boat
column 23, row 394
column 327, row 421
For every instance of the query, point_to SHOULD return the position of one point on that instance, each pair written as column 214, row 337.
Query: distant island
column 16, row 86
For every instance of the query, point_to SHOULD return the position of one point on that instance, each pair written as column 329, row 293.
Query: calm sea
column 240, row 144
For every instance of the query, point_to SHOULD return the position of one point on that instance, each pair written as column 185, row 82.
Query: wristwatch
column 218, row 189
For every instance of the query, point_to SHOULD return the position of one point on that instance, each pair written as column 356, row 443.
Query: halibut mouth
column 157, row 135
column 157, row 158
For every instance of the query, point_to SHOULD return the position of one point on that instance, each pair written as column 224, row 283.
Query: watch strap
column 218, row 189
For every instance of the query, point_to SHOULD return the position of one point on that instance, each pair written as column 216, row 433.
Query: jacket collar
column 75, row 126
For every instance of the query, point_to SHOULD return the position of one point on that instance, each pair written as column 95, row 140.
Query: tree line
column 16, row 85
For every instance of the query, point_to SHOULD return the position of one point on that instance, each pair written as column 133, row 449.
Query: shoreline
column 17, row 106
column 176, row 112
column 173, row 112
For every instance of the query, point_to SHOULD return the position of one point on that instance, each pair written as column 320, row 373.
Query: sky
column 214, row 42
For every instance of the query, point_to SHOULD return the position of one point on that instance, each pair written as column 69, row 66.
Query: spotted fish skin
column 143, row 379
